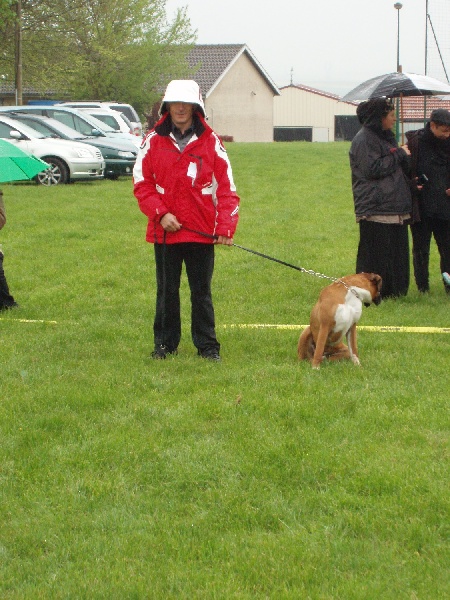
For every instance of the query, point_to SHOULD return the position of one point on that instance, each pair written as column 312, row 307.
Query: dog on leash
column 335, row 315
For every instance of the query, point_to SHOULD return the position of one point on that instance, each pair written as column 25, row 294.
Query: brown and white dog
column 335, row 315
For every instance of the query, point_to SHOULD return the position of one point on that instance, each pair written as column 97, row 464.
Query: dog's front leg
column 352, row 345
column 320, row 347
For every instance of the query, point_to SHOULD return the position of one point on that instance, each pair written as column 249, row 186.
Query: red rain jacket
column 196, row 185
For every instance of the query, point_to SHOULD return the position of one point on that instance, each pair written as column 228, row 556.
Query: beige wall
column 300, row 108
column 241, row 105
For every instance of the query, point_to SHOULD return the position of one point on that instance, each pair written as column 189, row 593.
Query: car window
column 82, row 126
column 109, row 120
column 128, row 111
column 64, row 117
column 72, row 120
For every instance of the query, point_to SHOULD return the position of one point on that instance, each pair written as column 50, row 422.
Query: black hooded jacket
column 379, row 168
column 430, row 156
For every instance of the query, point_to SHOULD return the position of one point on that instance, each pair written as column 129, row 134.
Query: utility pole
column 398, row 6
column 426, row 62
column 18, row 53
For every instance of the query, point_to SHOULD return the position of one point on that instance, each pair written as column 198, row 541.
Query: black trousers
column 421, row 236
column 384, row 249
column 6, row 300
column 199, row 262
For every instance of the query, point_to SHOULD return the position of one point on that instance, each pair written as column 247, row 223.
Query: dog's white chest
column 347, row 314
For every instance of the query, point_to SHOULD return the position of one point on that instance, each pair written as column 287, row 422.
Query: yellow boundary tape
column 30, row 321
column 381, row 328
column 387, row 328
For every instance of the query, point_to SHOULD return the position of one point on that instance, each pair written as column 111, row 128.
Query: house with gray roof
column 237, row 91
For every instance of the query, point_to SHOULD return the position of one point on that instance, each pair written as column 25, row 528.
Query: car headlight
column 126, row 154
column 84, row 153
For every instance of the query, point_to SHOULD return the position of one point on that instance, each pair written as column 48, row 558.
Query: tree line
column 124, row 50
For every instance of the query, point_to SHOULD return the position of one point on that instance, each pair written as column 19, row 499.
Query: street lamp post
column 398, row 6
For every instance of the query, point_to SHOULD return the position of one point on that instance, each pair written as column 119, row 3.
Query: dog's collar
column 350, row 289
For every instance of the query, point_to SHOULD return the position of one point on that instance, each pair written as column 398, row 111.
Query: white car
column 68, row 161
column 120, row 107
column 114, row 119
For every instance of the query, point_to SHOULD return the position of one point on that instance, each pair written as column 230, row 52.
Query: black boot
column 6, row 300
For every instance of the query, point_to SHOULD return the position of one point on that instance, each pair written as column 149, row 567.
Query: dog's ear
column 376, row 279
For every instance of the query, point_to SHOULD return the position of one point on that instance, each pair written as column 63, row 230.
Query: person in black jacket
column 430, row 157
column 382, row 197
column 6, row 300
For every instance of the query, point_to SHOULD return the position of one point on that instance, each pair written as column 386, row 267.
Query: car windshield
column 10, row 124
column 53, row 129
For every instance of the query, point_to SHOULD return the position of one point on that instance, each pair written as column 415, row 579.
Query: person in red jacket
column 184, row 184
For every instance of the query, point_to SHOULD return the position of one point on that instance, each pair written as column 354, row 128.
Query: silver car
column 68, row 161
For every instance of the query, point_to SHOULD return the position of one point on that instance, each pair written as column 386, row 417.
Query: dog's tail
column 306, row 346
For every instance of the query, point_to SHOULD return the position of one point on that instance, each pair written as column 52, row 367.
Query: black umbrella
column 395, row 85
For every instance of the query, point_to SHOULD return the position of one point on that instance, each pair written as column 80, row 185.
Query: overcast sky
column 331, row 45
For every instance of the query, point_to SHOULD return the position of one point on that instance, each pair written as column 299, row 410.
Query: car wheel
column 56, row 174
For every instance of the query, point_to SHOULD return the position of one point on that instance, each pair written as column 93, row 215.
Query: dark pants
column 421, row 235
column 6, row 300
column 384, row 249
column 199, row 261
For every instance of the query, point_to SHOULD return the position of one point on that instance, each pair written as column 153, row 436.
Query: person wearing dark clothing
column 430, row 164
column 6, row 300
column 382, row 197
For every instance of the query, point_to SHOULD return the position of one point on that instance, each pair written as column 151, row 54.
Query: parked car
column 118, row 121
column 113, row 118
column 121, row 107
column 69, row 161
column 79, row 120
column 118, row 160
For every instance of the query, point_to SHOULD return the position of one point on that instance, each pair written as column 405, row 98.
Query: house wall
column 296, row 107
column 241, row 105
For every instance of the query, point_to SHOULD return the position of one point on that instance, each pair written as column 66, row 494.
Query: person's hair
column 440, row 116
column 372, row 111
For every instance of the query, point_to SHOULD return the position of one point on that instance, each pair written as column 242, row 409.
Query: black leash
column 277, row 260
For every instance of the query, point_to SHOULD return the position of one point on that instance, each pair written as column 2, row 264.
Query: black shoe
column 160, row 352
column 9, row 306
column 210, row 354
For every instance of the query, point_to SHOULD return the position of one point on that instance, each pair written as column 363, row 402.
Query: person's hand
column 170, row 223
column 447, row 191
column 419, row 186
column 406, row 149
column 226, row 241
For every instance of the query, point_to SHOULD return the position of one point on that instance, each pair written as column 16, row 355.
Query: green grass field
column 127, row 478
